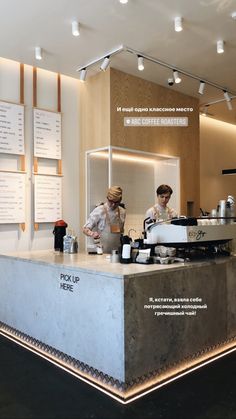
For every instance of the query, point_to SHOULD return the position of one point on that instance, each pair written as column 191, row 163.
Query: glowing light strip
column 117, row 156
column 182, row 374
column 108, row 393
column 29, row 348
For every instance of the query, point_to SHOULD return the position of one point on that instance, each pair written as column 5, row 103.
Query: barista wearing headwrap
column 106, row 222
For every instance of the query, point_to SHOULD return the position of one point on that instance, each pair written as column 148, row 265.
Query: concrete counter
column 89, row 263
column 126, row 328
column 101, row 263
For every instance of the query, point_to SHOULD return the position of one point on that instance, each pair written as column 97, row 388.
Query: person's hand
column 95, row 235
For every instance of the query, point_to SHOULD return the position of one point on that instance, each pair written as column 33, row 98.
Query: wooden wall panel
column 94, row 124
column 95, row 111
column 130, row 91
column 218, row 150
column 101, row 125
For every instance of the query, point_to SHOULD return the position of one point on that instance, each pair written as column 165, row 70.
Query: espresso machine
column 190, row 236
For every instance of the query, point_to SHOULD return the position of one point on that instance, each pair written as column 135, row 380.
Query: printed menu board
column 47, row 198
column 12, row 198
column 47, row 134
column 11, row 128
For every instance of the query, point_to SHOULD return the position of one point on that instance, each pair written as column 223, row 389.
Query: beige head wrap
column 114, row 193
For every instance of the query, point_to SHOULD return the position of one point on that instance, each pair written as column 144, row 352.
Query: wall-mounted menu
column 11, row 128
column 47, row 198
column 12, row 198
column 47, row 134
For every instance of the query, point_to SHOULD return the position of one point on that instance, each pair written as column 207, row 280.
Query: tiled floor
column 33, row 388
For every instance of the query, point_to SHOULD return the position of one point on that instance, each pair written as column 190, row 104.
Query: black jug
column 125, row 249
column 59, row 232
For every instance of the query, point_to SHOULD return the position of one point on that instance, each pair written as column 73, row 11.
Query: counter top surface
column 101, row 263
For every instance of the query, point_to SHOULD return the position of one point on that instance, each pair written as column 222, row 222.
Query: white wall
column 139, row 180
column 11, row 236
column 97, row 177
column 217, row 152
column 167, row 172
column 136, row 178
column 139, row 175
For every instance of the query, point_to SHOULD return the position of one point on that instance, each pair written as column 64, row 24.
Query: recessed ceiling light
column 123, row 1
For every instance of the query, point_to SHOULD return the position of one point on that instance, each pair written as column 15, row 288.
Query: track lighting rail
column 138, row 54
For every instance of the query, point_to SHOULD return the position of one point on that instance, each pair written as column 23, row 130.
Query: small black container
column 59, row 232
column 125, row 240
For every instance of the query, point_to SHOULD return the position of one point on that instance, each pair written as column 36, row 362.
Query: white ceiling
column 143, row 25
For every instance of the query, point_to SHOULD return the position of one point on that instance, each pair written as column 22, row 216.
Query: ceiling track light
column 170, row 81
column 98, row 60
column 177, row 78
column 205, row 111
column 228, row 100
column 220, row 47
column 83, row 74
column 141, row 57
column 105, row 63
column 178, row 24
column 75, row 28
column 201, row 87
column 140, row 63
column 227, row 96
column 229, row 105
column 38, row 53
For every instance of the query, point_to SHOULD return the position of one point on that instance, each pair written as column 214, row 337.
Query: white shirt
column 97, row 219
column 101, row 219
column 157, row 212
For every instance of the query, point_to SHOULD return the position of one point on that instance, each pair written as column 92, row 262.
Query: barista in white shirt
column 161, row 211
column 106, row 222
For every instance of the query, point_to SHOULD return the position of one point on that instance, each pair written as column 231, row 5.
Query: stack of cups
column 214, row 214
column 115, row 256
column 222, row 210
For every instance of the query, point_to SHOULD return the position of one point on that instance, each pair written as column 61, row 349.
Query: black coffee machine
column 59, row 232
